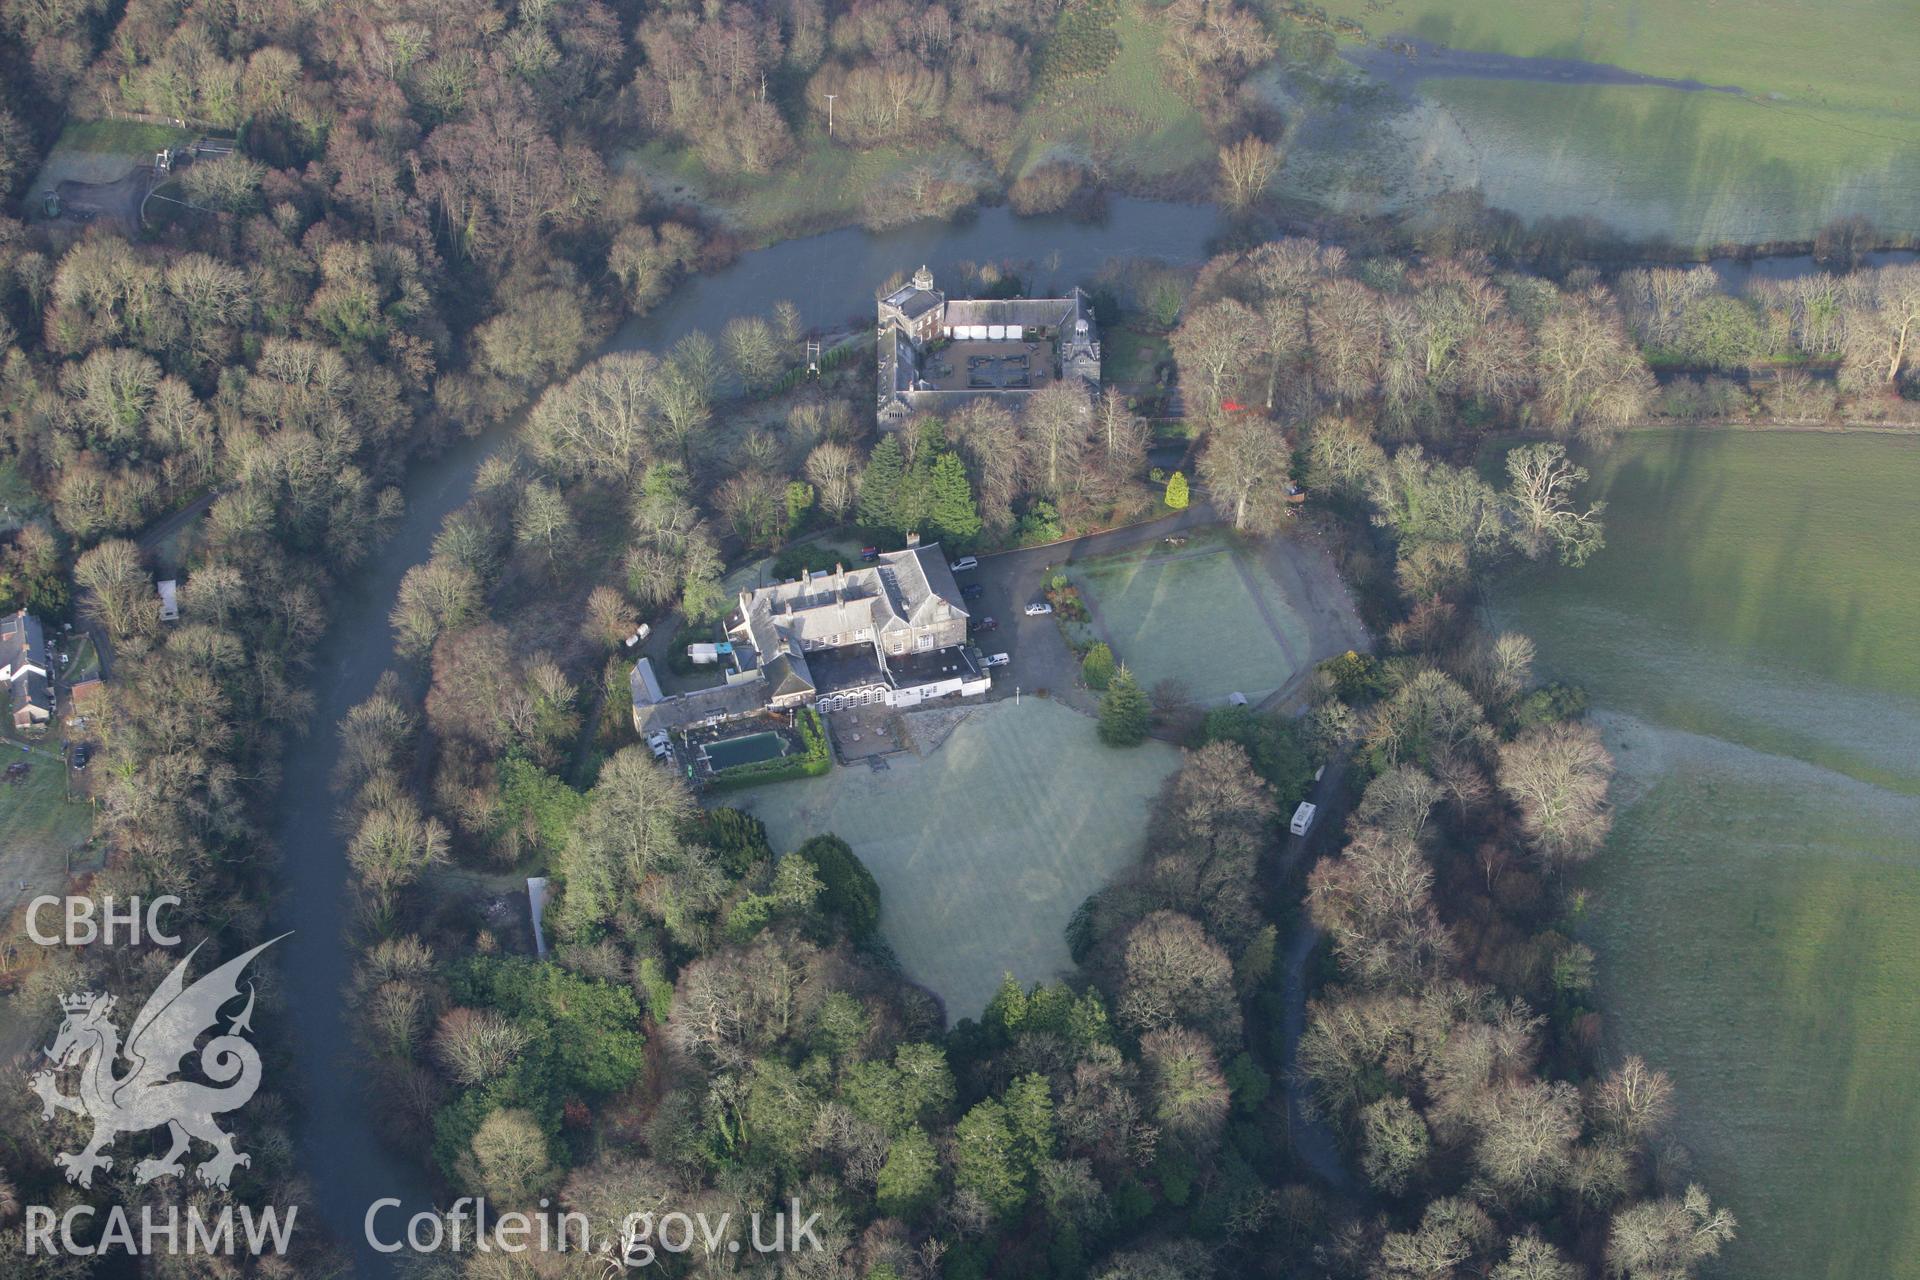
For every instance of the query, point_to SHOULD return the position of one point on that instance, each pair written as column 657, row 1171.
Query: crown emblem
column 84, row 1001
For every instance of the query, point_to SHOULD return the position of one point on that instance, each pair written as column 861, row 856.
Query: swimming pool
column 752, row 748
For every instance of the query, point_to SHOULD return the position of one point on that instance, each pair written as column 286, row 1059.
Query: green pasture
column 1828, row 122
column 1127, row 116
column 983, row 849
column 38, row 828
column 824, row 186
column 1696, row 168
column 1758, row 929
column 121, row 137
column 1843, row 55
column 1205, row 614
column 1752, row 632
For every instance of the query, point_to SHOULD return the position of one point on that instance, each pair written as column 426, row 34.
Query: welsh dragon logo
column 146, row 1096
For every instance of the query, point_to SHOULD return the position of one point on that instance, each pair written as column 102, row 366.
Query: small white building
column 537, row 903
column 169, row 600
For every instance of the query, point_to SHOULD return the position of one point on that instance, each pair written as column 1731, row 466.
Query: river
column 831, row 278
column 1751, row 636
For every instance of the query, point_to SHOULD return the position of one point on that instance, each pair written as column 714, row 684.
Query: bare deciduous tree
column 1175, row 975
column 1591, row 380
column 1214, row 347
column 1541, row 500
column 1667, row 1239
column 1558, row 775
column 1244, row 463
column 1246, row 167
column 833, row 469
column 1189, row 1091
column 476, row 1045
column 608, row 620
column 1634, row 1101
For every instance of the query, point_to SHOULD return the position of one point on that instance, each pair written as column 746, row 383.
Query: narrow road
column 147, row 539
column 167, row 526
column 1311, row 1138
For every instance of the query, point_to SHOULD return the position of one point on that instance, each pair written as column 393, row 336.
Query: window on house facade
column 923, row 640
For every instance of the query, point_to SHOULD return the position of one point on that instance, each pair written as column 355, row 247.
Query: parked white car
column 660, row 744
column 965, row 563
column 996, row 660
column 1039, row 609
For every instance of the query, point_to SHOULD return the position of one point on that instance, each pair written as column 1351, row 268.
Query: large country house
column 937, row 352
column 892, row 632
column 25, row 671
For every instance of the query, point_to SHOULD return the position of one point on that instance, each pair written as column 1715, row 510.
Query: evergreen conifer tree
column 954, row 516
column 1124, row 713
column 880, row 484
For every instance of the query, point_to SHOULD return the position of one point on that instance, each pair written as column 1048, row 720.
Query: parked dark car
column 869, row 553
column 983, row 624
column 82, row 756
column 972, row 591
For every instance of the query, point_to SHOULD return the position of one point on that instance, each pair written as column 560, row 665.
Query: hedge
column 815, row 762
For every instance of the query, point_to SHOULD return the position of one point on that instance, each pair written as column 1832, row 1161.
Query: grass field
column 100, row 151
column 1835, row 54
column 823, row 188
column 121, row 137
column 1696, row 167
column 1196, row 614
column 1829, row 120
column 984, row 848
column 1753, row 632
column 1130, row 356
column 38, row 828
column 83, row 659
column 1127, row 117
column 1759, row 931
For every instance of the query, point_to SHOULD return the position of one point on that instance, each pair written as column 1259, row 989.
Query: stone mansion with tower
column 937, row 352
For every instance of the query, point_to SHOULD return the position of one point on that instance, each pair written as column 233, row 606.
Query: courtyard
column 990, row 365
column 984, row 847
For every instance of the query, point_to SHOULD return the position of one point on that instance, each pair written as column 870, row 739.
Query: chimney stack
column 913, row 539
